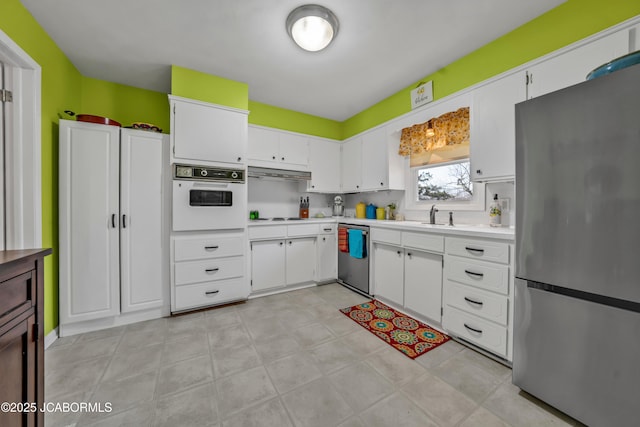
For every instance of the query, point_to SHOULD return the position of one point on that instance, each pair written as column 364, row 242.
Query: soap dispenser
column 495, row 213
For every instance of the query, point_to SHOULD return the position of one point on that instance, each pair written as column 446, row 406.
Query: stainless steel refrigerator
column 577, row 300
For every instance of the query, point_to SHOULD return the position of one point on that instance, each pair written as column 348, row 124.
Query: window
column 447, row 185
column 450, row 182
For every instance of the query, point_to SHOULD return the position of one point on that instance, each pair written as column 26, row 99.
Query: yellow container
column 381, row 213
column 361, row 210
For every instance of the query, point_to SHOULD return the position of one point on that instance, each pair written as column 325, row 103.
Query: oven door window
column 210, row 198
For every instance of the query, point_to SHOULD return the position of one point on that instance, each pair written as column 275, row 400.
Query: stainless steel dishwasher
column 354, row 272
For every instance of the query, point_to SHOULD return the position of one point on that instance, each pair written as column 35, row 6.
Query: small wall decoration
column 422, row 95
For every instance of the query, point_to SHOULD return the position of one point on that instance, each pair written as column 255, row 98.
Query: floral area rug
column 400, row 331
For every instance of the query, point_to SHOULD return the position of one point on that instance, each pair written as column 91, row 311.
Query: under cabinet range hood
column 290, row 175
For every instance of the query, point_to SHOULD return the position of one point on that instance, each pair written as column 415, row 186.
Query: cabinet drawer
column 17, row 294
column 327, row 228
column 428, row 242
column 476, row 330
column 302, row 230
column 210, row 293
column 268, row 232
column 475, row 301
column 202, row 248
column 485, row 275
column 208, row 270
column 382, row 235
column 478, row 249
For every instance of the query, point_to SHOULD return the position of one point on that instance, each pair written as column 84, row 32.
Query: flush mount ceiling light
column 312, row 26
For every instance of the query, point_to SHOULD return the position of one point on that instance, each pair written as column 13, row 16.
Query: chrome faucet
column 432, row 214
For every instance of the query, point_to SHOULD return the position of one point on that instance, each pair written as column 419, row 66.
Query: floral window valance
column 449, row 129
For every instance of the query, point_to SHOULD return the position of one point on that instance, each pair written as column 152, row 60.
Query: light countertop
column 469, row 230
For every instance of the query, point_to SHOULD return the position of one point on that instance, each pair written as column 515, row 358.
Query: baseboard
column 50, row 338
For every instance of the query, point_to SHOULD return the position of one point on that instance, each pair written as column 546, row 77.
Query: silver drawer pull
column 211, row 270
column 211, row 292
column 474, row 249
column 469, row 300
column 473, row 273
column 477, row 331
column 211, row 248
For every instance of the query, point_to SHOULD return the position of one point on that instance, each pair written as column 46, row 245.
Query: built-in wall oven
column 353, row 272
column 206, row 198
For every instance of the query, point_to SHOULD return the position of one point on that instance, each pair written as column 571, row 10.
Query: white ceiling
column 382, row 47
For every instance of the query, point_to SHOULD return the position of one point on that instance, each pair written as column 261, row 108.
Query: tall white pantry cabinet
column 112, row 216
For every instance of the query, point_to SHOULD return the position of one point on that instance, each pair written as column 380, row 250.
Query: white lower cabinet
column 389, row 273
column 423, row 283
column 277, row 263
column 327, row 251
column 267, row 264
column 478, row 293
column 208, row 269
column 406, row 276
column 300, row 260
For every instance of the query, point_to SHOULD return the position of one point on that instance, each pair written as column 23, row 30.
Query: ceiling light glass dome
column 312, row 27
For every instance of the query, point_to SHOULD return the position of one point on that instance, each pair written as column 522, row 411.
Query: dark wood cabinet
column 22, row 336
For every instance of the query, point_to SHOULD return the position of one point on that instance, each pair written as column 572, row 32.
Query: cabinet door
column 324, row 158
column 375, row 165
column 389, row 273
column 301, row 260
column 327, row 257
column 423, row 283
column 141, row 207
column 263, row 144
column 89, row 221
column 493, row 133
column 18, row 370
column 208, row 133
column 572, row 67
column 352, row 165
column 267, row 265
column 294, row 149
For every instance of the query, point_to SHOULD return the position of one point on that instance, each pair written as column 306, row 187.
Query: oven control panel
column 202, row 173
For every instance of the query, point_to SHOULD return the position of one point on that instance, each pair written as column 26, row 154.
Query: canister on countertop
column 381, row 213
column 361, row 210
column 371, row 211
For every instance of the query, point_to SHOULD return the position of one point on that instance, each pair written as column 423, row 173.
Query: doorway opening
column 20, row 138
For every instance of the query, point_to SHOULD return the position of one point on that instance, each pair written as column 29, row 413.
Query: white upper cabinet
column 294, row 149
column 352, row 165
column 264, row 145
column 203, row 132
column 324, row 162
column 370, row 162
column 278, row 149
column 382, row 167
column 493, row 131
column 572, row 67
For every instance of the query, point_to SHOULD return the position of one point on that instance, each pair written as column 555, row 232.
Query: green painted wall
column 206, row 87
column 60, row 91
column 124, row 104
column 280, row 118
column 569, row 22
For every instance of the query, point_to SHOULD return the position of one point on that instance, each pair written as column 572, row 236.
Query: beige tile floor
column 285, row 360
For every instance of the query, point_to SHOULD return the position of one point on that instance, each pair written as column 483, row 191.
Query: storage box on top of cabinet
column 478, row 293
column 113, row 230
column 202, row 132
